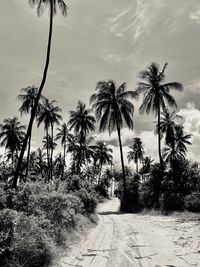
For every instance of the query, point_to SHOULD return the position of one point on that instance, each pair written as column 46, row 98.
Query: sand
column 138, row 240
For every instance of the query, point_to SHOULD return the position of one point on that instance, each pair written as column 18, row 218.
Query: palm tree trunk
column 122, row 159
column 137, row 166
column 33, row 112
column 28, row 156
column 48, row 165
column 51, row 162
column 159, row 137
column 64, row 152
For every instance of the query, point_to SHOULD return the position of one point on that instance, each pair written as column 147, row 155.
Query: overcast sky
column 107, row 39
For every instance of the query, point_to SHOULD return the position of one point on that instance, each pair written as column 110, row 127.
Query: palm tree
column 41, row 4
column 49, row 115
column 156, row 94
column 168, row 125
column 82, row 152
column 40, row 156
column 114, row 111
column 137, row 152
column 28, row 97
column 66, row 137
column 12, row 135
column 177, row 149
column 82, row 122
column 103, row 154
column 147, row 162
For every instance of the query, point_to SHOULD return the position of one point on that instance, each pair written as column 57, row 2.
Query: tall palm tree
column 27, row 97
column 114, row 111
column 137, row 152
column 156, row 94
column 65, row 136
column 104, row 155
column 82, row 122
column 49, row 115
column 41, row 4
column 12, row 135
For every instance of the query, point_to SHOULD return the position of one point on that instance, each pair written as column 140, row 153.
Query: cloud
column 195, row 15
column 148, row 138
column 192, row 126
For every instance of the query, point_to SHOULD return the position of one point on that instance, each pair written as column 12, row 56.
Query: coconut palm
column 103, row 154
column 114, row 111
column 181, row 139
column 82, row 122
column 27, row 97
column 82, row 152
column 40, row 161
column 137, row 152
column 167, row 126
column 66, row 137
column 41, row 4
column 49, row 115
column 156, row 94
column 12, row 135
column 177, row 149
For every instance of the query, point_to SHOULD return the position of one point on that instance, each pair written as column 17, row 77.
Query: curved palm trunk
column 33, row 112
column 122, row 158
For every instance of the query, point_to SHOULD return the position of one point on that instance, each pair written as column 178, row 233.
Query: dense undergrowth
column 37, row 219
column 172, row 188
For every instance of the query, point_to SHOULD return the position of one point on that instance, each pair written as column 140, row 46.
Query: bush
column 170, row 201
column 130, row 201
column 192, row 202
column 147, row 198
column 23, row 241
column 35, row 218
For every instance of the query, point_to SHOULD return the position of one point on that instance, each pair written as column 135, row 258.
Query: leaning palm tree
column 156, row 94
column 114, row 111
column 27, row 97
column 41, row 4
column 82, row 122
column 49, row 115
column 137, row 152
column 11, row 136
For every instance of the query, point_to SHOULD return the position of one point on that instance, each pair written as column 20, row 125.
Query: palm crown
column 111, row 106
column 41, row 5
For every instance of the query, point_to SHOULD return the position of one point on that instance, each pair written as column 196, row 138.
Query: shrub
column 130, row 201
column 171, row 201
column 23, row 241
column 192, row 202
column 148, row 198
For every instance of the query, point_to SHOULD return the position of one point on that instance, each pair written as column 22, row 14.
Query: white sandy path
column 137, row 240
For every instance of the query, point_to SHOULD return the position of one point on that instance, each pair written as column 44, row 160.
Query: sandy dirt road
column 141, row 240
